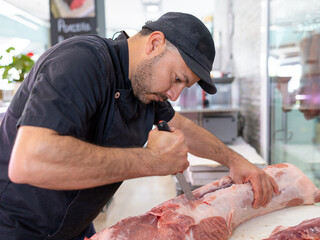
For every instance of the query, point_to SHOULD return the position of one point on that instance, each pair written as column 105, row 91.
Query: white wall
column 240, row 29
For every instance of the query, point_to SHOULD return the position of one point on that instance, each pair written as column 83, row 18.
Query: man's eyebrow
column 186, row 79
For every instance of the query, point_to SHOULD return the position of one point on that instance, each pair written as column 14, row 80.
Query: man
column 82, row 116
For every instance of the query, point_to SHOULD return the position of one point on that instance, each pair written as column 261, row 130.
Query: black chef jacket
column 79, row 87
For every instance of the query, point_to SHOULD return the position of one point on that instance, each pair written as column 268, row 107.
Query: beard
column 141, row 80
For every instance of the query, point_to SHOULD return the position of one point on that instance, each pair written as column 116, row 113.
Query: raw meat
column 219, row 207
column 307, row 230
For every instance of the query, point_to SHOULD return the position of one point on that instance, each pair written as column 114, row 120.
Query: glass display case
column 294, row 81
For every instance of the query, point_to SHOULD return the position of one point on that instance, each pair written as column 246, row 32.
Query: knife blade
column 185, row 186
column 163, row 126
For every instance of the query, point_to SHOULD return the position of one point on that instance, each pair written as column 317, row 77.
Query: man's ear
column 156, row 43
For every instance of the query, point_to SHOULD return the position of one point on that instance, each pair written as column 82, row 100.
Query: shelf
column 211, row 109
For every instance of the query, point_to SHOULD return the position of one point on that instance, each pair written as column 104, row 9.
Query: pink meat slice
column 306, row 230
column 219, row 207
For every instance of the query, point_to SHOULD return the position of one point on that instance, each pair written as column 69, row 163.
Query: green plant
column 21, row 63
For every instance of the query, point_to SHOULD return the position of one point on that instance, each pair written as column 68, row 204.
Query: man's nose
column 174, row 92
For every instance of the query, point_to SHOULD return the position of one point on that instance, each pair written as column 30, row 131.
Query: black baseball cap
column 194, row 42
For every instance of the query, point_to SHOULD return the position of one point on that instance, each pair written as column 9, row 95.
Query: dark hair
column 145, row 31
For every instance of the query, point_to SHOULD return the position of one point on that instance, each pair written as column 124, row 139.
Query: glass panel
column 294, row 70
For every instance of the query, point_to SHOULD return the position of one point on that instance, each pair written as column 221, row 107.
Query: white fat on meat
column 219, row 207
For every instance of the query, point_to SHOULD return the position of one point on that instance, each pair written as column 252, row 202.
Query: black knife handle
column 163, row 126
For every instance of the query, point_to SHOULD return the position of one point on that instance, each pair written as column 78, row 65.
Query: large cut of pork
column 219, row 207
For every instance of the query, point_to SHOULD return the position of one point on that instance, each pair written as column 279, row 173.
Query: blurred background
column 267, row 66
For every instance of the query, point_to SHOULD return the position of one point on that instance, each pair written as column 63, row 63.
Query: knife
column 163, row 126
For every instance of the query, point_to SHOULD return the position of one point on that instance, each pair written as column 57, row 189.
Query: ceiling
column 124, row 14
column 131, row 14
column 37, row 8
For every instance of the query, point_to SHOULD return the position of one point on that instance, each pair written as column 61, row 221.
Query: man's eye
column 178, row 80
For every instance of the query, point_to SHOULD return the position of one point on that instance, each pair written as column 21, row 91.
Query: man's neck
column 136, row 46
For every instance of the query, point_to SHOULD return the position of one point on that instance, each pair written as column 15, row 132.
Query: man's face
column 162, row 77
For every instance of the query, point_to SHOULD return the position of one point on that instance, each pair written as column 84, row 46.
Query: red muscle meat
column 219, row 207
column 307, row 230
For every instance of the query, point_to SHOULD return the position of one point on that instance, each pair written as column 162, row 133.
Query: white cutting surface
column 262, row 226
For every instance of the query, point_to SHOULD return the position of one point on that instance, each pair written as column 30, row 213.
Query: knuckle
column 186, row 150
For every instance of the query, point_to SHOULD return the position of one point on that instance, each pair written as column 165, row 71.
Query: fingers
column 267, row 191
column 170, row 151
column 270, row 187
column 274, row 185
column 263, row 187
column 164, row 141
column 257, row 191
column 172, row 129
column 182, row 157
column 185, row 166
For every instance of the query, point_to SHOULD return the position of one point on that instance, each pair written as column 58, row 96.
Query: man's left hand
column 263, row 185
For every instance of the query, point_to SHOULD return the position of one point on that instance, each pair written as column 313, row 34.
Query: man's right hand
column 169, row 152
